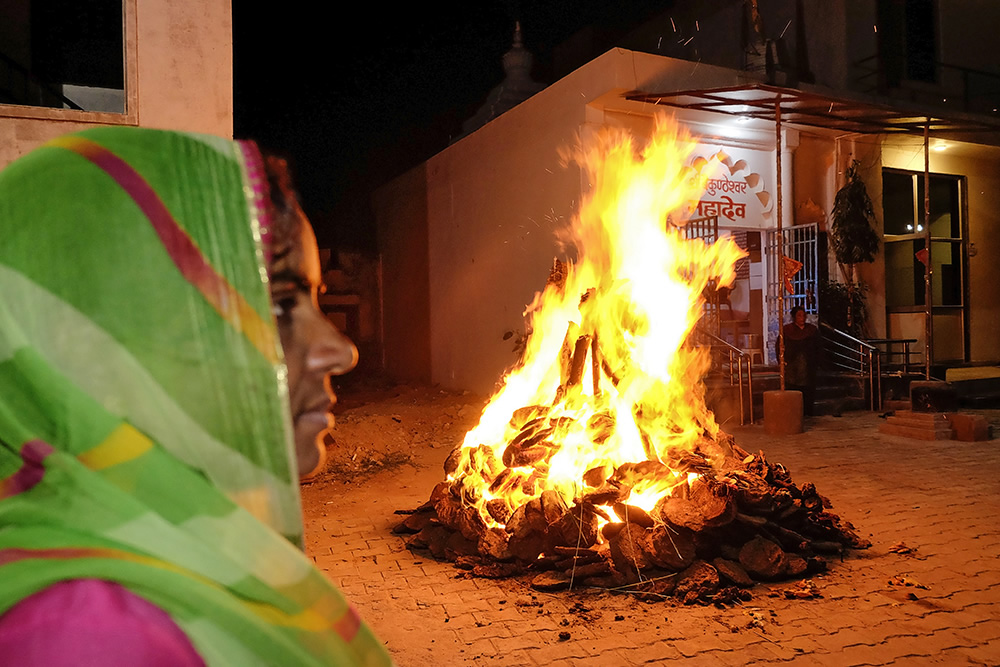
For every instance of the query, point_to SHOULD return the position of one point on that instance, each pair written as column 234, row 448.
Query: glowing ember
column 608, row 376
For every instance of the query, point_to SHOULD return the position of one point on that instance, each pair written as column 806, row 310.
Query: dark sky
column 354, row 102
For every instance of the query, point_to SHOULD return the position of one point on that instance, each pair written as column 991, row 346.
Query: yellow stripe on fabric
column 180, row 247
column 123, row 444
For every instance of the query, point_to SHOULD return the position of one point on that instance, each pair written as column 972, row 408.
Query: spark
column 672, row 25
column 696, row 26
column 658, row 42
column 875, row 27
column 688, row 40
column 785, row 28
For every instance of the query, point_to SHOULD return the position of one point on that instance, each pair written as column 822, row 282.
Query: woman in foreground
column 156, row 407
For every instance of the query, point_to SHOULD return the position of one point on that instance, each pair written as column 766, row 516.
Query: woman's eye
column 283, row 307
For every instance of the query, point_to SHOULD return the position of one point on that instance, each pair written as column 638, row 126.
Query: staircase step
column 919, row 425
column 919, row 418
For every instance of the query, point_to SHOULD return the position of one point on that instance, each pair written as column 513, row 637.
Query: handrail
column 952, row 82
column 740, row 355
column 721, row 341
column 863, row 358
column 844, row 334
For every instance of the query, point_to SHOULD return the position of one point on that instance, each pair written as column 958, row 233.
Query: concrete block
column 916, row 432
column 782, row 412
column 933, row 396
column 970, row 428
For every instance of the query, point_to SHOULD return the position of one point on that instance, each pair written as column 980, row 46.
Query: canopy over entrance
column 760, row 101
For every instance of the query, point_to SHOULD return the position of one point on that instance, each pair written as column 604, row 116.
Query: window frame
column 131, row 75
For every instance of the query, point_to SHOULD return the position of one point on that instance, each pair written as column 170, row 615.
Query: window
column 903, row 216
column 63, row 54
column 907, row 40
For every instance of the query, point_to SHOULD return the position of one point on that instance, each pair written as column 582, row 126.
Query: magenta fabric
column 90, row 622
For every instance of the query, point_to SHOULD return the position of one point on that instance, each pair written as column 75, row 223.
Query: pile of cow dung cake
column 708, row 542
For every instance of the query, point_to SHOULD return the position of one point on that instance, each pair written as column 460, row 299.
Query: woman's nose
column 330, row 351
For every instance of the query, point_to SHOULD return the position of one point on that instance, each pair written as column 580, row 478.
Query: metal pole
column 928, row 290
column 739, row 365
column 781, row 245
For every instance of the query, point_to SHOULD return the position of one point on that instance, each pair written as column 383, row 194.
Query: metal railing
column 729, row 359
column 965, row 88
column 897, row 356
column 847, row 354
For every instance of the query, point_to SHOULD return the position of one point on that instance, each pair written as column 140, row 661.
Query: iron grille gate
column 706, row 229
column 800, row 244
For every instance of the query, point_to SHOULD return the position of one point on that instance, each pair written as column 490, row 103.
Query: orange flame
column 636, row 289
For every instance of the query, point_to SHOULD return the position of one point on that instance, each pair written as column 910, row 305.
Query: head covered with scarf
column 145, row 431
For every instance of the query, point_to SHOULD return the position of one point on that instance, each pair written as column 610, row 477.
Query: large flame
column 609, row 376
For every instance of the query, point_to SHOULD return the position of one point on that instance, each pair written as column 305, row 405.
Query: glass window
column 63, row 54
column 903, row 214
column 897, row 202
column 945, row 222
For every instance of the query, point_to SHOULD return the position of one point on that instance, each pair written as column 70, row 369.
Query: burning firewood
column 598, row 462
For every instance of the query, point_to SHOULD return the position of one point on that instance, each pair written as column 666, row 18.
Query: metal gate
column 706, row 229
column 800, row 244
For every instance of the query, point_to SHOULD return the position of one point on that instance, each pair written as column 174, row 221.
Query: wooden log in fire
column 732, row 571
column 672, row 548
column 699, row 581
column 763, row 558
column 633, row 514
column 577, row 527
column 703, row 508
column 595, row 366
column 630, row 551
column 494, row 544
column 579, row 363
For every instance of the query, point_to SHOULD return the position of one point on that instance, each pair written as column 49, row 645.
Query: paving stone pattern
column 937, row 605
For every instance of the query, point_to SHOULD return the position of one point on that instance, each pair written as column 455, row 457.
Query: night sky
column 355, row 102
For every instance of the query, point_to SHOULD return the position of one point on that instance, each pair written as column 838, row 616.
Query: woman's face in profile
column 314, row 348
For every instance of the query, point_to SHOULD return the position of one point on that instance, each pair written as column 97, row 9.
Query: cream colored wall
column 185, row 65
column 179, row 75
column 495, row 200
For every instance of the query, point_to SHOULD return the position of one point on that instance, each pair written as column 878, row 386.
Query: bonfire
column 598, row 462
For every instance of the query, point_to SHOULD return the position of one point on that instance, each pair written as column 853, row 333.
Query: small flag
column 922, row 256
column 791, row 267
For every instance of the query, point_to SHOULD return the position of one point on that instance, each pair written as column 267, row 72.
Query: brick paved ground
column 940, row 498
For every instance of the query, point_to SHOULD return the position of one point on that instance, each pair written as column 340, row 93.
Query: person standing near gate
column 801, row 357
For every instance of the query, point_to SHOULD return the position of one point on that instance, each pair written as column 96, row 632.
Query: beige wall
column 494, row 201
column 179, row 75
column 185, row 65
column 401, row 211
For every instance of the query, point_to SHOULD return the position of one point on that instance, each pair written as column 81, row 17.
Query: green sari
column 145, row 435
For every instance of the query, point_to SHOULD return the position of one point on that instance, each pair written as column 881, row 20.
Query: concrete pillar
column 782, row 412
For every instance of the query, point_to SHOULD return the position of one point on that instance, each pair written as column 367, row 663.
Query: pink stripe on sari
column 182, row 249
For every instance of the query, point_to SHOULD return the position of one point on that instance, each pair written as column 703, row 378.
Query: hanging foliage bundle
column 854, row 240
